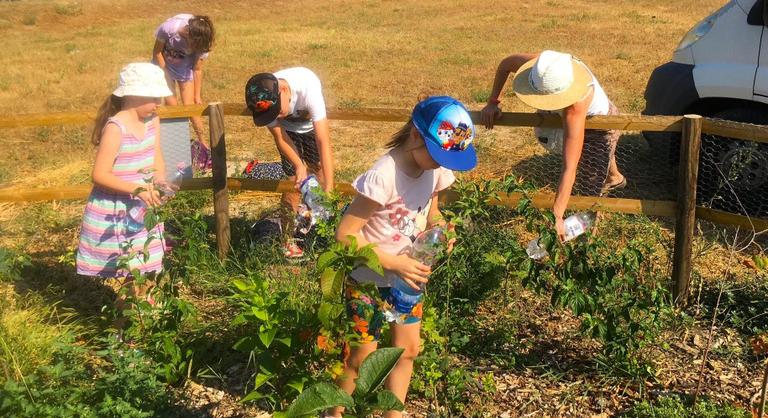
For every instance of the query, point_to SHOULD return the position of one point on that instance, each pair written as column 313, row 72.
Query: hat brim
column 268, row 116
column 158, row 91
column 553, row 101
column 453, row 160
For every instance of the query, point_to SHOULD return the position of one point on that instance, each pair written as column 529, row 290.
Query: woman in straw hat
column 557, row 82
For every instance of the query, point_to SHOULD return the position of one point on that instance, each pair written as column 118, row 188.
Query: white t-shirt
column 307, row 102
column 405, row 203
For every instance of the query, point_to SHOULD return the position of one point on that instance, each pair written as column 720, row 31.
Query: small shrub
column 29, row 20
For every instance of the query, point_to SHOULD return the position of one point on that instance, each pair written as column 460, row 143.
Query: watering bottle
column 311, row 195
column 574, row 226
column 426, row 248
column 168, row 189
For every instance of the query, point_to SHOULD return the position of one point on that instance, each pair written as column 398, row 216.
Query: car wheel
column 733, row 174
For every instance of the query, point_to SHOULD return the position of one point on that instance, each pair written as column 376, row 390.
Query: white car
column 720, row 69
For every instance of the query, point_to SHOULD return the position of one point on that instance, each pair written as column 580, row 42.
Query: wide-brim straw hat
column 142, row 79
column 552, row 81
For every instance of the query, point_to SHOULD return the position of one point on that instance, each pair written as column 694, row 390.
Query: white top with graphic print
column 403, row 212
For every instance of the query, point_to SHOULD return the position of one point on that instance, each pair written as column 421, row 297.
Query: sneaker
column 292, row 251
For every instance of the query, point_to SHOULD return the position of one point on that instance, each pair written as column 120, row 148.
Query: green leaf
column 318, row 398
column 241, row 285
column 267, row 336
column 331, row 282
column 253, row 396
column 371, row 259
column 261, row 378
column 260, row 313
column 297, row 385
column 375, row 368
column 285, row 341
column 329, row 312
column 325, row 260
column 150, row 220
column 387, row 401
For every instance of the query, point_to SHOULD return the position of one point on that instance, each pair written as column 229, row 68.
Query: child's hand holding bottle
column 412, row 271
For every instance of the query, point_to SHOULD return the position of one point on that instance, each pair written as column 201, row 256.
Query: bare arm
column 574, row 120
column 508, row 65
column 157, row 53
column 198, row 81
column 357, row 215
column 287, row 148
column 323, row 138
column 102, row 169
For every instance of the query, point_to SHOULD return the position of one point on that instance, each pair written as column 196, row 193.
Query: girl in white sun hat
column 557, row 82
column 127, row 136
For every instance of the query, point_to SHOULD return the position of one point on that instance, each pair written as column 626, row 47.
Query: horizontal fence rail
column 518, row 119
column 661, row 208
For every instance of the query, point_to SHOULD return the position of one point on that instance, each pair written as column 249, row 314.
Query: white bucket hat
column 552, row 81
column 142, row 79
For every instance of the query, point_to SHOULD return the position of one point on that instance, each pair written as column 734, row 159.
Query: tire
column 733, row 174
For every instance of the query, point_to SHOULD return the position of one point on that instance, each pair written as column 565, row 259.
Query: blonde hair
column 109, row 108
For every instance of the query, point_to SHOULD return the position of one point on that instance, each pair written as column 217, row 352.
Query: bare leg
column 405, row 336
column 347, row 380
column 188, row 98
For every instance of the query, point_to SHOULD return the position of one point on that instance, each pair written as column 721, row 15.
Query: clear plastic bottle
column 426, row 248
column 168, row 189
column 311, row 195
column 574, row 226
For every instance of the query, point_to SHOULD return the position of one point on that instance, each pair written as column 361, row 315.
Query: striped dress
column 104, row 236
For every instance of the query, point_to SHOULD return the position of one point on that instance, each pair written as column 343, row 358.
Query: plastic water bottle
column 173, row 182
column 312, row 196
column 574, row 226
column 426, row 248
column 168, row 189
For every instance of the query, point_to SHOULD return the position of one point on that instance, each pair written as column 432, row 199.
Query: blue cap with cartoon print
column 448, row 132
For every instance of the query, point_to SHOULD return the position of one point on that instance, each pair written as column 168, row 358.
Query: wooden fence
column 684, row 209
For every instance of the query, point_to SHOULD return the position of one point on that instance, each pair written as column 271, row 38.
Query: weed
column 480, row 96
column 11, row 264
column 73, row 8
column 675, row 407
column 350, row 103
column 29, row 20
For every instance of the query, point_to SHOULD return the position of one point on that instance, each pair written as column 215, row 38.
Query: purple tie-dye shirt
column 179, row 59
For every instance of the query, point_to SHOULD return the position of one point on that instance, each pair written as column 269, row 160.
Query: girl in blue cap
column 396, row 200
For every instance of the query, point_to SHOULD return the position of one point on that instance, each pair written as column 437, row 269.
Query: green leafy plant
column 276, row 340
column 617, row 293
column 11, row 264
column 367, row 397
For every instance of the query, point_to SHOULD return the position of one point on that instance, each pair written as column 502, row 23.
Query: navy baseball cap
column 262, row 96
column 448, row 131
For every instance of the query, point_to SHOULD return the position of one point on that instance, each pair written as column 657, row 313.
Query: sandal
column 616, row 186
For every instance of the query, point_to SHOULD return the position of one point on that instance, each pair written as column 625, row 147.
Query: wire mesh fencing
column 733, row 176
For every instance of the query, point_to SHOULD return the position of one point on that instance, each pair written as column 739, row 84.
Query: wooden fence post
column 219, row 169
column 690, row 144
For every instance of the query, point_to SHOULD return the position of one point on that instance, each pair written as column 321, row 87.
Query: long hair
column 400, row 136
column 109, row 108
column 201, row 33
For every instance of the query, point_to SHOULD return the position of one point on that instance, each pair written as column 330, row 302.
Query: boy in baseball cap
column 290, row 104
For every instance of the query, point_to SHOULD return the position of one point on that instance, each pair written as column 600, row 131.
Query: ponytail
column 109, row 108
column 201, row 34
column 400, row 136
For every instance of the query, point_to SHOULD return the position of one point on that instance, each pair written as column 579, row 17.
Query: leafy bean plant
column 11, row 264
column 155, row 322
column 367, row 398
column 483, row 262
column 617, row 293
column 278, row 339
